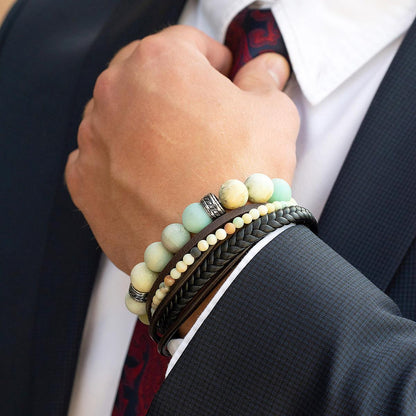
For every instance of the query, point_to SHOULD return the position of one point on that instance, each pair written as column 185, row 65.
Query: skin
column 166, row 126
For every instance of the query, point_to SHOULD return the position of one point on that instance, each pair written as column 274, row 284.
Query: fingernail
column 275, row 77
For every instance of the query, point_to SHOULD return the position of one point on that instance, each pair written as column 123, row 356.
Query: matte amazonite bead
column 262, row 210
column 247, row 218
column 160, row 294
column 238, row 222
column 194, row 218
column 138, row 308
column 174, row 237
column 221, row 234
column 270, row 208
column 203, row 245
column 260, row 188
column 277, row 205
column 142, row 278
column 156, row 257
column 254, row 213
column 188, row 259
column 282, row 190
column 181, row 267
column 229, row 228
column 233, row 194
column 176, row 274
column 211, row 239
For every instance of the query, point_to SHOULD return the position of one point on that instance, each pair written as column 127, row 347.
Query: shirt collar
column 327, row 40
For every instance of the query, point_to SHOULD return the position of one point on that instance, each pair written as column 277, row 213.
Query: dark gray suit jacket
column 301, row 331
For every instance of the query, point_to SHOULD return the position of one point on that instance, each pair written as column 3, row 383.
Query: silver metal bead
column 212, row 206
column 136, row 295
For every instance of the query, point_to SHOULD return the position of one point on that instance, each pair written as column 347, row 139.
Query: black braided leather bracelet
column 214, row 267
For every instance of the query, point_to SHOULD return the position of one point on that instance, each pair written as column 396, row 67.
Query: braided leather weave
column 216, row 265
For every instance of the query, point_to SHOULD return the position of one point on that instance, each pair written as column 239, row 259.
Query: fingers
column 268, row 71
column 216, row 53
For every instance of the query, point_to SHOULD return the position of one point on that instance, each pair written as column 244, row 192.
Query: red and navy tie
column 143, row 373
column 251, row 33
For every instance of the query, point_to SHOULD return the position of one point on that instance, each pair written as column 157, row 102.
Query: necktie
column 251, row 33
column 143, row 373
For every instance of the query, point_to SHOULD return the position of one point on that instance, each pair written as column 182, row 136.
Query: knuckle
column 152, row 47
column 103, row 85
column 85, row 134
column 124, row 52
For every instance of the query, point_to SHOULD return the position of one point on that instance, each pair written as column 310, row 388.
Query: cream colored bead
column 260, row 188
column 211, row 239
column 160, row 295
column 262, row 210
column 254, row 213
column 247, row 218
column 181, row 267
column 292, row 202
column 138, row 308
column 175, row 274
column 156, row 300
column 165, row 290
column 221, row 234
column 202, row 245
column 270, row 208
column 278, row 205
column 142, row 278
column 144, row 319
column 233, row 194
column 188, row 259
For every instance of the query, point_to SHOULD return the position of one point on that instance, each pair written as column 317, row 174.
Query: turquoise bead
column 156, row 257
column 282, row 190
column 194, row 218
column 174, row 237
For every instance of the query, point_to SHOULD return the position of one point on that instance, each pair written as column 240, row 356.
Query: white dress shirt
column 340, row 51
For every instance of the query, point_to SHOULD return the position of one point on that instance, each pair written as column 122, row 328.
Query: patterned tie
column 143, row 373
column 251, row 33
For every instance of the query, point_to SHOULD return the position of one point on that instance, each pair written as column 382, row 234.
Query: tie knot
column 251, row 33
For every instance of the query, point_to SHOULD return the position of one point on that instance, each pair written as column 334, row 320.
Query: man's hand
column 166, row 126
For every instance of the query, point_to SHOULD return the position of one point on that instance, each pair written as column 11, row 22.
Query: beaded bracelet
column 258, row 188
column 181, row 304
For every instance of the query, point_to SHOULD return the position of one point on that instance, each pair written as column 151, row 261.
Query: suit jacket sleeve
column 299, row 332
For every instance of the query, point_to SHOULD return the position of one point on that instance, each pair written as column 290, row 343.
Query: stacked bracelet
column 194, row 287
column 167, row 286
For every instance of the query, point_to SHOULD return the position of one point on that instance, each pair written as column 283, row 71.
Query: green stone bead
column 174, row 237
column 282, row 190
column 156, row 257
column 238, row 222
column 194, row 218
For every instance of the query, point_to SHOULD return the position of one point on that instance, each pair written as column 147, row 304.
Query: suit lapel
column 370, row 218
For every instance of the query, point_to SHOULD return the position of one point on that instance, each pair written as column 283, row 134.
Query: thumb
column 265, row 72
